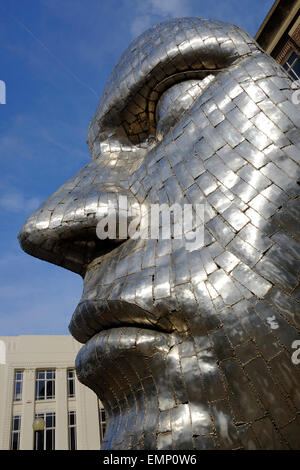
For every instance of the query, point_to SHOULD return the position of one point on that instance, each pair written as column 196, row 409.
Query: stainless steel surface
column 188, row 349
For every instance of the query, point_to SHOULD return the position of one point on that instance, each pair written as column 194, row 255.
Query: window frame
column 102, row 422
column 15, row 432
column 46, row 431
column 17, row 381
column 288, row 66
column 72, row 430
column 47, row 381
column 71, row 383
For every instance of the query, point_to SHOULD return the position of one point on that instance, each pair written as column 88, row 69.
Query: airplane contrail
column 54, row 56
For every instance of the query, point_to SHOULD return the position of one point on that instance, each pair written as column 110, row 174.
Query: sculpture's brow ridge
column 169, row 49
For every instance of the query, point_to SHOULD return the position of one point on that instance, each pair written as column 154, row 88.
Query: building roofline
column 281, row 15
column 266, row 19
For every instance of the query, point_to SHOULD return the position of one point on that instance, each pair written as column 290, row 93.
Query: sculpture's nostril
column 73, row 252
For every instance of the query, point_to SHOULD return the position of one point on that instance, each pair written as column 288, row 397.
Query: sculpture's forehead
column 170, row 49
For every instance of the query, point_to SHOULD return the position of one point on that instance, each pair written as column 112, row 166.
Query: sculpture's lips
column 134, row 353
column 92, row 317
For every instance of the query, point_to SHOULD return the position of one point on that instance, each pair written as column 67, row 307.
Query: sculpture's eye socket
column 153, row 112
column 175, row 101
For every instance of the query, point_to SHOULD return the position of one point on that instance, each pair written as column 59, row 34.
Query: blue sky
column 55, row 58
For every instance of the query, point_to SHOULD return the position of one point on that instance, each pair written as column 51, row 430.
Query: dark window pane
column 18, row 385
column 49, row 439
column 50, row 387
column 39, row 440
column 41, row 390
column 296, row 67
column 71, row 418
column 73, row 438
column 49, row 420
column 16, row 423
column 292, row 58
column 71, row 382
column 71, row 388
column 15, row 441
column 18, row 388
column 293, row 75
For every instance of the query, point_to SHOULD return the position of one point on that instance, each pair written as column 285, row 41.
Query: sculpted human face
column 188, row 347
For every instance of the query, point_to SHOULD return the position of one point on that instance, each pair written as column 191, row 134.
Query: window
column 102, row 423
column 45, row 439
column 18, row 381
column 292, row 65
column 71, row 382
column 72, row 430
column 45, row 384
column 15, row 433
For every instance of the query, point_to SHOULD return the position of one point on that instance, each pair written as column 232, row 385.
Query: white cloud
column 13, row 200
column 140, row 24
column 173, row 8
column 151, row 12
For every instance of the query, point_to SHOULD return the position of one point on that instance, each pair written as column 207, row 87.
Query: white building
column 37, row 379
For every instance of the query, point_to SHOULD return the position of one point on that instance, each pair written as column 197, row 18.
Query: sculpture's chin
column 128, row 368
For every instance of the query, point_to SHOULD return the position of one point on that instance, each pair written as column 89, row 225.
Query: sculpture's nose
column 63, row 230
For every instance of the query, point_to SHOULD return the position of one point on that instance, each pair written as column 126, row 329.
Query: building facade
column 38, row 380
column 279, row 35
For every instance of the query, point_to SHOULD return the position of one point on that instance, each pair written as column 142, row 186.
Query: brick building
column 279, row 35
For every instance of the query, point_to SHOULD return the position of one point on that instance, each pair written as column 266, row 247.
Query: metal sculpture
column 188, row 348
